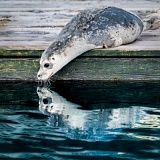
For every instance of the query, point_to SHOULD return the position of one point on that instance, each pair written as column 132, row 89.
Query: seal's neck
column 74, row 49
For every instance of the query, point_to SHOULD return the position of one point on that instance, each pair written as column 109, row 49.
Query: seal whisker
column 40, row 83
column 51, row 80
column 48, row 83
column 44, row 83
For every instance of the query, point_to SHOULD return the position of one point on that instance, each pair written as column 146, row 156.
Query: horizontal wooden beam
column 108, row 65
column 112, row 53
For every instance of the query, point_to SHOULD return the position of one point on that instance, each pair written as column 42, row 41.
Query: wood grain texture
column 92, row 53
column 18, row 69
column 86, row 68
column 118, row 69
column 35, row 24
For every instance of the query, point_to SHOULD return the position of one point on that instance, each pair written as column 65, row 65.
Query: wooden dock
column 27, row 27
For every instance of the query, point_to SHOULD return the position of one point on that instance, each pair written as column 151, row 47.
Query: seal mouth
column 43, row 76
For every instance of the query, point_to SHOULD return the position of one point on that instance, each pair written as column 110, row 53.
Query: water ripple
column 61, row 130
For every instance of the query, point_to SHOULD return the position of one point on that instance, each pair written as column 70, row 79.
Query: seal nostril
column 38, row 76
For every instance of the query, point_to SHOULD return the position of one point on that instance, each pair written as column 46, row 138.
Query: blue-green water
column 71, row 121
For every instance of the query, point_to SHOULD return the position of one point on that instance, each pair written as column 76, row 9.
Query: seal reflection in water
column 90, row 125
column 92, row 28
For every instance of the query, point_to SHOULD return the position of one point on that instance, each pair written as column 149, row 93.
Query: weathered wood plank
column 112, row 69
column 20, row 53
column 92, row 53
column 20, row 69
column 60, row 4
column 108, row 69
column 24, row 45
column 41, row 45
column 121, row 53
column 18, row 18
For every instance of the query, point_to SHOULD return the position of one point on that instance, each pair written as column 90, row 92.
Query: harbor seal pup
column 98, row 27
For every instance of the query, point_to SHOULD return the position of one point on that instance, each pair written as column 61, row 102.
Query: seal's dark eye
column 46, row 65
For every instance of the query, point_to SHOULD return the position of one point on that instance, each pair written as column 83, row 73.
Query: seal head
column 50, row 63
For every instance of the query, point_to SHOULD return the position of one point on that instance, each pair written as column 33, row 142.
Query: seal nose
column 38, row 76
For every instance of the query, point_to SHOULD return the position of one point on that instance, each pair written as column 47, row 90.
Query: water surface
column 80, row 121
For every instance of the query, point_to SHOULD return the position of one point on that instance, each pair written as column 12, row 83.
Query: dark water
column 77, row 120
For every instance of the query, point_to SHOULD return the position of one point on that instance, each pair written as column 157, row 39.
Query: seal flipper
column 116, row 41
column 151, row 21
